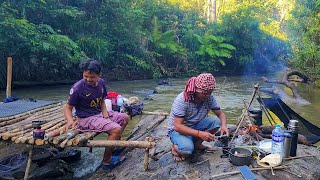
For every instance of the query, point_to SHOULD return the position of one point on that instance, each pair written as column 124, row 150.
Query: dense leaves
column 136, row 39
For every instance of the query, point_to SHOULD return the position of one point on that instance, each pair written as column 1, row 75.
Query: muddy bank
column 201, row 165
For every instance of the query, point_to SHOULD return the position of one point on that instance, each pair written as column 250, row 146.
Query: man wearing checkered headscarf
column 189, row 125
column 205, row 82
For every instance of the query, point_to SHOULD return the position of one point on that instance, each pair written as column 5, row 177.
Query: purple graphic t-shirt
column 87, row 99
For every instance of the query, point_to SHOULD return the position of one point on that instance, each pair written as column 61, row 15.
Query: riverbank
column 200, row 166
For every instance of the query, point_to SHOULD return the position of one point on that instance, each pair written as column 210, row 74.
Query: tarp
column 21, row 106
column 285, row 114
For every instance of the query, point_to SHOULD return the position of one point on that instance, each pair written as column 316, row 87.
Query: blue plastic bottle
column 119, row 100
column 277, row 140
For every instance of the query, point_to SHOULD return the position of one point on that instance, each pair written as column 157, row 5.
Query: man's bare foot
column 176, row 155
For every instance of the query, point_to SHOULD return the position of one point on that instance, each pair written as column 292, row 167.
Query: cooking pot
column 238, row 156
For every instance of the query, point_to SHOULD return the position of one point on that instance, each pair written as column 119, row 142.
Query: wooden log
column 62, row 137
column 9, row 76
column 83, row 138
column 119, row 143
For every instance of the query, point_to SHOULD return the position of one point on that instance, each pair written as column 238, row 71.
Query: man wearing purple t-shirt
column 87, row 97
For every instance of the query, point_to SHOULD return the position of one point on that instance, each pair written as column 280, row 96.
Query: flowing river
column 231, row 93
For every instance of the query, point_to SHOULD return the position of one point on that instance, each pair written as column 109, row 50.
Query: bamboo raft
column 18, row 129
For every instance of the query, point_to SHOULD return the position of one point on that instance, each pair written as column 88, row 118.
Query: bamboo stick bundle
column 24, row 138
column 12, row 121
column 57, row 132
column 16, row 139
column 27, row 137
column 83, row 138
column 39, row 142
column 62, row 137
column 58, row 125
column 118, row 143
column 27, row 123
column 10, row 118
column 22, row 122
column 31, row 140
column 48, row 114
column 23, row 130
column 8, row 136
column 69, row 136
column 70, row 141
column 63, row 143
column 29, row 113
column 51, row 109
column 50, row 133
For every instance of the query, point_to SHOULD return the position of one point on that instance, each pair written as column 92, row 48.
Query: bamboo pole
column 298, row 157
column 155, row 113
column 9, row 76
column 252, row 169
column 119, row 143
column 26, row 174
column 146, row 156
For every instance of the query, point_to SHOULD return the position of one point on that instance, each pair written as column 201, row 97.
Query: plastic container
column 277, row 140
column 119, row 100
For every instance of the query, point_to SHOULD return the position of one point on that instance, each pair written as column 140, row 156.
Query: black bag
column 134, row 109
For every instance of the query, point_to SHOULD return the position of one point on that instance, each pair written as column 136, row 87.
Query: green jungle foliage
column 138, row 39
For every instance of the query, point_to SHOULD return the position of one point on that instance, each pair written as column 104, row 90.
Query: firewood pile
column 19, row 129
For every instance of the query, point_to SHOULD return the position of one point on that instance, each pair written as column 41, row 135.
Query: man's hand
column 68, row 126
column 224, row 130
column 206, row 136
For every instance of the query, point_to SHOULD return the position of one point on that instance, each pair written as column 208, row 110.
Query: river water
column 231, row 93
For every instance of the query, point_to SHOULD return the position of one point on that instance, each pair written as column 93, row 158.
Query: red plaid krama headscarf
column 203, row 83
